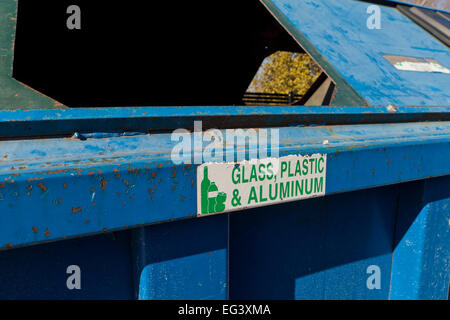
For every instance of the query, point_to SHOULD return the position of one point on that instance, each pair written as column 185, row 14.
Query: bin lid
column 400, row 63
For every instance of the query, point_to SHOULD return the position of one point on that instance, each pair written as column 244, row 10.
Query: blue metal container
column 91, row 188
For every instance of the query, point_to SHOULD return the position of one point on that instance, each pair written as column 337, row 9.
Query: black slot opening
column 139, row 53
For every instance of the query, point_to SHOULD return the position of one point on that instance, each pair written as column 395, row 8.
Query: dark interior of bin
column 139, row 53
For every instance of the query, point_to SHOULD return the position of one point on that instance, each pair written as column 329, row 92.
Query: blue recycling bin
column 353, row 201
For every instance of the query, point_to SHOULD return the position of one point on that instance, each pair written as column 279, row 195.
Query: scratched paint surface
column 56, row 188
column 21, row 123
column 421, row 258
column 356, row 52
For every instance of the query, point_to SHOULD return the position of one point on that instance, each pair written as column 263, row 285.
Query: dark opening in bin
column 171, row 53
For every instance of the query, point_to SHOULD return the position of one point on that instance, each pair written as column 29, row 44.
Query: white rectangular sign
column 230, row 186
column 421, row 67
column 405, row 63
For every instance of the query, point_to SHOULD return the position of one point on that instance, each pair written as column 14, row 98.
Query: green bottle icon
column 212, row 195
column 204, row 191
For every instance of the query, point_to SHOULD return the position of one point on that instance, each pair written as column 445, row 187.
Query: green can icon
column 211, row 199
column 220, row 201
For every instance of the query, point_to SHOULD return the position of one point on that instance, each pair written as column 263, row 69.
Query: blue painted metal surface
column 182, row 260
column 97, row 199
column 66, row 122
column 56, row 188
column 321, row 248
column 40, row 272
column 412, row 4
column 315, row 249
column 356, row 52
column 421, row 259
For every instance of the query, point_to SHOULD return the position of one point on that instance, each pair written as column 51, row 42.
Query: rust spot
column 105, row 230
column 57, row 171
column 41, row 185
column 182, row 198
column 174, row 173
column 118, row 194
column 86, row 221
column 5, row 156
column 9, row 246
column 15, row 175
column 91, row 189
column 99, row 171
column 127, row 183
column 30, row 187
column 188, row 166
column 150, row 191
column 2, row 184
column 77, row 209
column 103, row 184
column 91, row 173
column 389, row 160
column 115, row 170
column 153, row 174
column 93, row 203
column 47, row 233
column 35, row 229
column 11, row 181
column 173, row 187
column 59, row 201
column 64, row 185
column 131, row 198
column 135, row 170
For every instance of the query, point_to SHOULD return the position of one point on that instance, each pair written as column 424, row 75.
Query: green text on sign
column 233, row 186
